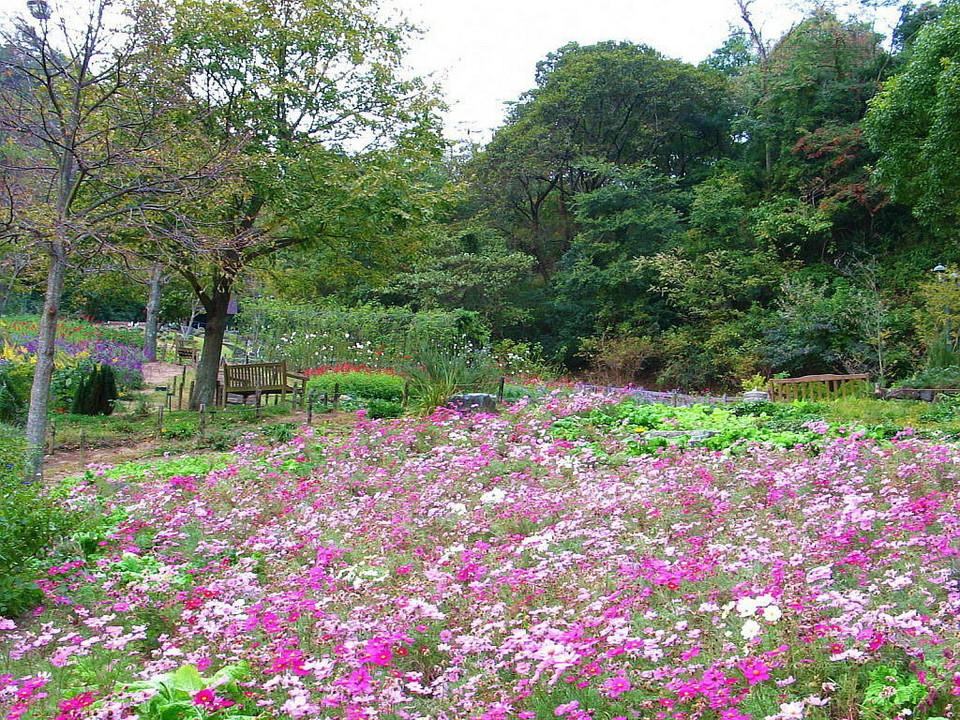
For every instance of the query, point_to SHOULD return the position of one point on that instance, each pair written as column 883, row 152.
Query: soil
column 160, row 373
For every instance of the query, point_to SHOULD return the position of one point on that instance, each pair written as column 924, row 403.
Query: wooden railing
column 819, row 387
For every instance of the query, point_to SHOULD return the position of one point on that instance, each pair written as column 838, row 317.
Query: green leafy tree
column 914, row 123
column 311, row 92
column 598, row 289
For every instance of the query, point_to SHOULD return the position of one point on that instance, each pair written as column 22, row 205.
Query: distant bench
column 818, row 387
column 261, row 379
column 185, row 350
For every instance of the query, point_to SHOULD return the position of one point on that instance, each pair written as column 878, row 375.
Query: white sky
column 484, row 53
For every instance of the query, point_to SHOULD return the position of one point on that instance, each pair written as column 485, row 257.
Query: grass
column 178, row 425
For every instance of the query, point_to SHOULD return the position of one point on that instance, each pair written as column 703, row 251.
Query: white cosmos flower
column 750, row 629
column 772, row 613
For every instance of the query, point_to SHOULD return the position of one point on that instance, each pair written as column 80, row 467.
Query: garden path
column 160, row 373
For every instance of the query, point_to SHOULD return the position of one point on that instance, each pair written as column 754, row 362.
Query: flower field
column 483, row 567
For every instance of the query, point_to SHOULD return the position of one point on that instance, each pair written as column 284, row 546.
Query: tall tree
column 85, row 149
column 914, row 123
column 312, row 89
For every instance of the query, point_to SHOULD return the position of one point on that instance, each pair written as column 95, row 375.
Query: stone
column 756, row 396
column 473, row 402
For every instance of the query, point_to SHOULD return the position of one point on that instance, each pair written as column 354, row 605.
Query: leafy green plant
column 436, row 375
column 889, row 691
column 185, row 693
column 280, row 432
column 30, row 523
column 96, row 394
column 367, row 385
column 382, row 409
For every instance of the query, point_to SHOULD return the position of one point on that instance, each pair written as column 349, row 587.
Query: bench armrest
column 296, row 375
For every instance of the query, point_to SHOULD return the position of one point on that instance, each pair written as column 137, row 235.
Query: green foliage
column 890, row 690
column 29, row 524
column 713, row 427
column 436, row 375
column 173, row 696
column 13, row 405
column 914, row 123
column 307, row 336
column 366, row 385
column 933, row 377
column 96, row 394
column 522, row 358
column 384, row 409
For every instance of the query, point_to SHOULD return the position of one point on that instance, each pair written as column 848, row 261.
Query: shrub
column 96, row 394
column 366, row 385
column 933, row 377
column 384, row 409
column 617, row 360
column 12, row 406
column 435, row 376
column 305, row 335
column 29, row 524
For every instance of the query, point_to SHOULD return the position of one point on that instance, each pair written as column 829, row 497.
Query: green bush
column 29, row 524
column 933, row 377
column 384, row 409
column 366, row 385
column 437, row 375
column 96, row 394
column 307, row 336
column 12, row 406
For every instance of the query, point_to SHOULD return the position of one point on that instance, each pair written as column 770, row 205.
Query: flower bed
column 479, row 567
column 79, row 347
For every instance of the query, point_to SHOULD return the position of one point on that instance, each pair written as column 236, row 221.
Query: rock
column 756, row 396
column 474, row 402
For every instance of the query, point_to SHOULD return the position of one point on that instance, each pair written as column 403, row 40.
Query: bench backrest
column 255, row 376
column 819, row 387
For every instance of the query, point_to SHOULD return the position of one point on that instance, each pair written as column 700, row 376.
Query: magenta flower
column 755, row 671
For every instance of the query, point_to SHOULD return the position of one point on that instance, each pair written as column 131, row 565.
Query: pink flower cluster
column 476, row 567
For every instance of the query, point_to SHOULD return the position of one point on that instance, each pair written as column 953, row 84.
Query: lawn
column 495, row 567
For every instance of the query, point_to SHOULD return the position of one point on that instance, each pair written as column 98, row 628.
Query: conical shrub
column 96, row 393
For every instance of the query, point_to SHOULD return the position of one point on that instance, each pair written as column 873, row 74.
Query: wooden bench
column 818, row 387
column 261, row 379
column 185, row 350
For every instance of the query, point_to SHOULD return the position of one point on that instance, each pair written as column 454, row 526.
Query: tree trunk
column 153, row 316
column 46, row 346
column 208, row 368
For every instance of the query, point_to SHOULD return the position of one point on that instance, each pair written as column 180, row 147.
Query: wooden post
column 256, row 396
column 503, row 381
column 336, row 394
column 310, row 410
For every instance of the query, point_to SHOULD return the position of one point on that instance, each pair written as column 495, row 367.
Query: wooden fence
column 819, row 387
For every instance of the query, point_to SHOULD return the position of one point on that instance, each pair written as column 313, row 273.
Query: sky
column 483, row 53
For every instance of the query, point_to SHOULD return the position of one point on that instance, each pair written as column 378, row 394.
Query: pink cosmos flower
column 755, row 671
column 566, row 708
column 616, row 686
column 378, row 652
column 205, row 698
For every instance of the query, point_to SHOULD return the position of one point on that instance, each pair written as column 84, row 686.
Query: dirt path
column 160, row 373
